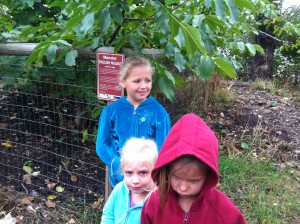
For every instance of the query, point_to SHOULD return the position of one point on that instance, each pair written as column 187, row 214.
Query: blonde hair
column 132, row 62
column 141, row 148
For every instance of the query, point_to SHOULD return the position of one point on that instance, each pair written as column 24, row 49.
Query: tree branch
column 268, row 35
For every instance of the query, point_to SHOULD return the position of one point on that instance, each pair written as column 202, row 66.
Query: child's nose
column 183, row 186
column 143, row 84
column 135, row 179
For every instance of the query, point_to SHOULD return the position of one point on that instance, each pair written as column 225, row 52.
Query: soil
column 267, row 125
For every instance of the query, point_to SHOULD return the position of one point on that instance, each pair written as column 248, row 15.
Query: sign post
column 108, row 88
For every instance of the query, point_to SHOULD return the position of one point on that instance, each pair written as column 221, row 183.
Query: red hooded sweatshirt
column 190, row 135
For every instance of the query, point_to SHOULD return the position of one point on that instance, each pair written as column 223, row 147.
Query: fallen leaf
column 27, row 178
column 6, row 144
column 97, row 203
column 26, row 200
column 73, row 178
column 50, row 204
column 60, row 189
column 27, row 169
column 3, row 125
column 71, row 221
column 36, row 173
column 51, row 185
column 51, row 197
column 31, row 209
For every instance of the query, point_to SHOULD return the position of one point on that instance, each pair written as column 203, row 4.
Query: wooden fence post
column 108, row 188
column 107, row 185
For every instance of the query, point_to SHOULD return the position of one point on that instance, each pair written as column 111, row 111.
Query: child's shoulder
column 222, row 203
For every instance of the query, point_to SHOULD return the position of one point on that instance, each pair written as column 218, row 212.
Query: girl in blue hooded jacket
column 125, row 203
column 135, row 115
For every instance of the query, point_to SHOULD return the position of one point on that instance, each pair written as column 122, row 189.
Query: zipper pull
column 185, row 220
column 134, row 111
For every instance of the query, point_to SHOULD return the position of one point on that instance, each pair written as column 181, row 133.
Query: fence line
column 40, row 128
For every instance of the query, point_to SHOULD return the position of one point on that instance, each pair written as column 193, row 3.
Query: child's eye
column 128, row 173
column 175, row 177
column 143, row 173
column 195, row 181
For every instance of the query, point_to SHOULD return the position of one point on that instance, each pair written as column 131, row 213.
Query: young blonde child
column 186, row 173
column 124, row 205
column 135, row 115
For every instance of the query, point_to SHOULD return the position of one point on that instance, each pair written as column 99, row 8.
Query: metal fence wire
column 47, row 126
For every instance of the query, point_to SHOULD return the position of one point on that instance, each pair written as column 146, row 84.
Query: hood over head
column 190, row 136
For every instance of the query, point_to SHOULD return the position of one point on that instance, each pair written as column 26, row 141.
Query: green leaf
column 225, row 66
column 174, row 27
column 134, row 42
column 167, row 89
column 244, row 145
column 27, row 169
column 179, row 61
column 42, row 52
column 242, row 4
column 87, row 22
column 171, row 2
column 120, row 43
column 85, row 135
column 251, row 49
column 71, row 58
column 198, row 19
column 116, row 13
column 220, row 8
column 178, row 80
column 51, row 53
column 207, row 3
column 169, row 50
column 180, row 39
column 234, row 13
column 259, row 48
column 104, row 19
column 206, row 67
column 193, row 40
column 64, row 43
column 214, row 22
column 273, row 103
column 73, row 21
column 59, row 189
column 241, row 46
column 170, row 76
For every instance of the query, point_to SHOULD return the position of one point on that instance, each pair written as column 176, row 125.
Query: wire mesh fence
column 48, row 123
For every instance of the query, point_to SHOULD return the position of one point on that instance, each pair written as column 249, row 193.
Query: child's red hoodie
column 190, row 135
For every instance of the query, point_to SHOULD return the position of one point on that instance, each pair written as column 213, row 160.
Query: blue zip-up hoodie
column 120, row 121
column 117, row 209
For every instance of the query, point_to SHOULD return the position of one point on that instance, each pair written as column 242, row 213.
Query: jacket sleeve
column 162, row 129
column 108, row 212
column 104, row 141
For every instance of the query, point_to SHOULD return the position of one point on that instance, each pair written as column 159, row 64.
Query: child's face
column 137, row 176
column 187, row 180
column 138, row 84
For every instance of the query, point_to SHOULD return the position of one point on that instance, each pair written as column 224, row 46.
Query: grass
column 251, row 174
column 262, row 192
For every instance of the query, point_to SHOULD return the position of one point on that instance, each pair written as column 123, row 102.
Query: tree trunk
column 262, row 64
